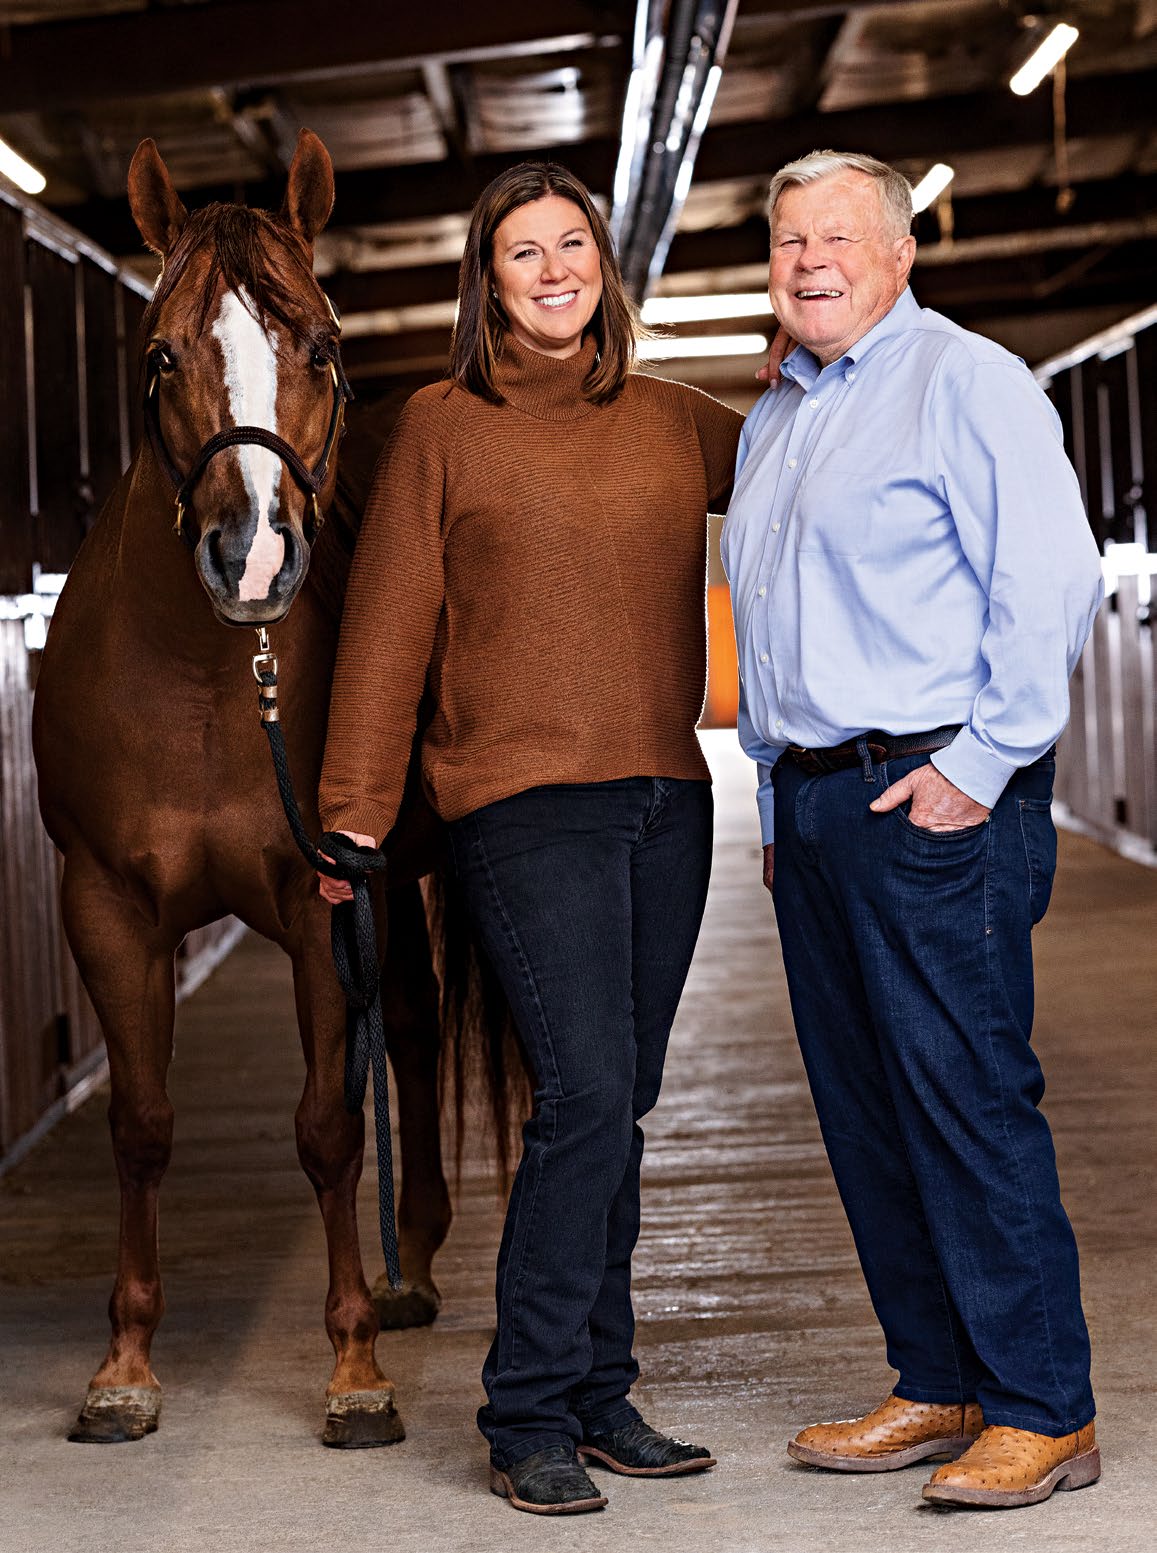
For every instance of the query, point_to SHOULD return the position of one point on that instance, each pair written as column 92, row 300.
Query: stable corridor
column 753, row 1315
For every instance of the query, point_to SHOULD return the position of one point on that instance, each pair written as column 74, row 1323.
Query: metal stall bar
column 1106, row 393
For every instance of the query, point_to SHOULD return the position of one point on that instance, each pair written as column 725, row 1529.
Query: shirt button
column 779, row 722
column 763, row 657
column 813, row 403
column 791, row 463
column 762, row 592
column 851, row 377
column 775, row 528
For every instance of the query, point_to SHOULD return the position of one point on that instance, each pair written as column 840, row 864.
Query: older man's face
column 835, row 271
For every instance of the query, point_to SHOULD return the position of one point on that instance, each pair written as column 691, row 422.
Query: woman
column 534, row 545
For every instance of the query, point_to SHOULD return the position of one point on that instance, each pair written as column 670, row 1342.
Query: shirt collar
column 802, row 367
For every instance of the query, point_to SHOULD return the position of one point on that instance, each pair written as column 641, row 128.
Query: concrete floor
column 753, row 1316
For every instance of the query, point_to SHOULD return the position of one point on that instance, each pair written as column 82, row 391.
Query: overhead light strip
column 693, row 310
column 1044, row 58
column 703, row 345
column 931, row 186
column 22, row 173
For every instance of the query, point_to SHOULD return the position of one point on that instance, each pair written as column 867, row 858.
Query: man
column 913, row 578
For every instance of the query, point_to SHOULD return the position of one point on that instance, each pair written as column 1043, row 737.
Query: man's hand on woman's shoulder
column 782, row 346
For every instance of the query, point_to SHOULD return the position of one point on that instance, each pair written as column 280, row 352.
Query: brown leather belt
column 881, row 746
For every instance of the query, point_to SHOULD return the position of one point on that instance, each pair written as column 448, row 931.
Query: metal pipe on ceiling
column 677, row 59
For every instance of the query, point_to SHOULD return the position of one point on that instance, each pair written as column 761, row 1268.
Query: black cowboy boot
column 638, row 1451
column 551, row 1482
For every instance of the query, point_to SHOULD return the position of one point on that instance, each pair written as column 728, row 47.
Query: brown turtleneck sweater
column 543, row 562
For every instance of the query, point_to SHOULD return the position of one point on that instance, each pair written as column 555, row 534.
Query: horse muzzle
column 252, row 582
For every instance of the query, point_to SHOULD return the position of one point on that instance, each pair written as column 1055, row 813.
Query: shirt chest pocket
column 835, row 506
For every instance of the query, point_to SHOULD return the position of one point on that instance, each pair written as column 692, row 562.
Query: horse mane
column 253, row 252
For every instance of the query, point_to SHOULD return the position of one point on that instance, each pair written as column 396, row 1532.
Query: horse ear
column 309, row 197
column 155, row 204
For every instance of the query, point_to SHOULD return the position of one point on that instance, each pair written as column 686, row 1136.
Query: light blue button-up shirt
column 906, row 547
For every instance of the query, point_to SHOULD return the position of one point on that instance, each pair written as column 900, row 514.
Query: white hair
column 895, row 190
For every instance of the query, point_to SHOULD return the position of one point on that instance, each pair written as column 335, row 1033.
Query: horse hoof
column 111, row 1415
column 360, row 1420
column 413, row 1305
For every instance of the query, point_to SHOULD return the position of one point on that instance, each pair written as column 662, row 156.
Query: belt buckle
column 807, row 760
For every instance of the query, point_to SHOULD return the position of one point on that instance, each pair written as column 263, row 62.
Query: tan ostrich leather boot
column 1007, row 1467
column 895, row 1434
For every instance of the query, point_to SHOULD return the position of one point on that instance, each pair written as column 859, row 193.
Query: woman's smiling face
column 547, row 274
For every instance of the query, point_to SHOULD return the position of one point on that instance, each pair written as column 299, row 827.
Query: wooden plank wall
column 69, row 388
column 1107, row 757
column 16, row 523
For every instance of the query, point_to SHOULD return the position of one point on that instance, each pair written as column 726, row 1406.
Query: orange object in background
column 721, row 707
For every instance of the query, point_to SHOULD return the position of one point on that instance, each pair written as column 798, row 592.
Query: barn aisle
column 753, row 1317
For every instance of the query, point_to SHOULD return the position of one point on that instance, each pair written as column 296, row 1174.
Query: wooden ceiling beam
column 990, row 215
column 48, row 66
column 937, row 128
column 814, row 10
column 365, row 196
column 967, row 293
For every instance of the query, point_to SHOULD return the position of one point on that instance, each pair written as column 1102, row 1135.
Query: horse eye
column 320, row 357
column 163, row 359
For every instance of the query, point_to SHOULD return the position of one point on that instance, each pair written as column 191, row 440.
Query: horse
column 156, row 785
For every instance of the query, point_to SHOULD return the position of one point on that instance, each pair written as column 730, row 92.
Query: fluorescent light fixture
column 693, row 310
column 1043, row 59
column 704, row 345
column 22, row 173
column 931, row 186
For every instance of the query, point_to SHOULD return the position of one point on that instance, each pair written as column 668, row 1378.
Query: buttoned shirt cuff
column 973, row 768
column 765, row 800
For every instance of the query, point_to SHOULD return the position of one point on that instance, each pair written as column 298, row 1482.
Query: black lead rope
column 355, row 955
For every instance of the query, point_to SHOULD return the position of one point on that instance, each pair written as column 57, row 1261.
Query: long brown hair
column 476, row 346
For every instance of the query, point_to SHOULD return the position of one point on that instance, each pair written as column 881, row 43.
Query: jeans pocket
column 1039, row 835
column 938, row 837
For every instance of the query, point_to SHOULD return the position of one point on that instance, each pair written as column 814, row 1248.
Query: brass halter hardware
column 265, row 662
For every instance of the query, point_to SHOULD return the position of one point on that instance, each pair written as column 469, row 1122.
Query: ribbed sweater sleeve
column 392, row 605
column 717, row 427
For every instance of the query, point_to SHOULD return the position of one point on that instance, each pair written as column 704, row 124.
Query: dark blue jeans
column 909, row 963
column 588, row 899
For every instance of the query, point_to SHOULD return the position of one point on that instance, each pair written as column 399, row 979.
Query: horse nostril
column 211, row 562
column 287, row 573
column 216, row 561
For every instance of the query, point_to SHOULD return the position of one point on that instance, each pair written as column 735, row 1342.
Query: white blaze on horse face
column 251, row 380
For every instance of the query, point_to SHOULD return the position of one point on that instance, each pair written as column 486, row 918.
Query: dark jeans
column 588, row 899
column 909, row 963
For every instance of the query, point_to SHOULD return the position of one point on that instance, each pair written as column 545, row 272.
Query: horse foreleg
column 410, row 1014
column 127, row 969
column 360, row 1404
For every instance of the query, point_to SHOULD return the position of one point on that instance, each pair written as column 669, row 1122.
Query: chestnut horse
column 155, row 777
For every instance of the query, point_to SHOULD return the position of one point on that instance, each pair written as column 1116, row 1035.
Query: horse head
column 243, row 379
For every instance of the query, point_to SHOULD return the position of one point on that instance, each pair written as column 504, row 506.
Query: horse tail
column 482, row 1058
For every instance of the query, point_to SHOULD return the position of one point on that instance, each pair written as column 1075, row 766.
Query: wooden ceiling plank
column 985, row 228
column 50, row 66
column 938, row 128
